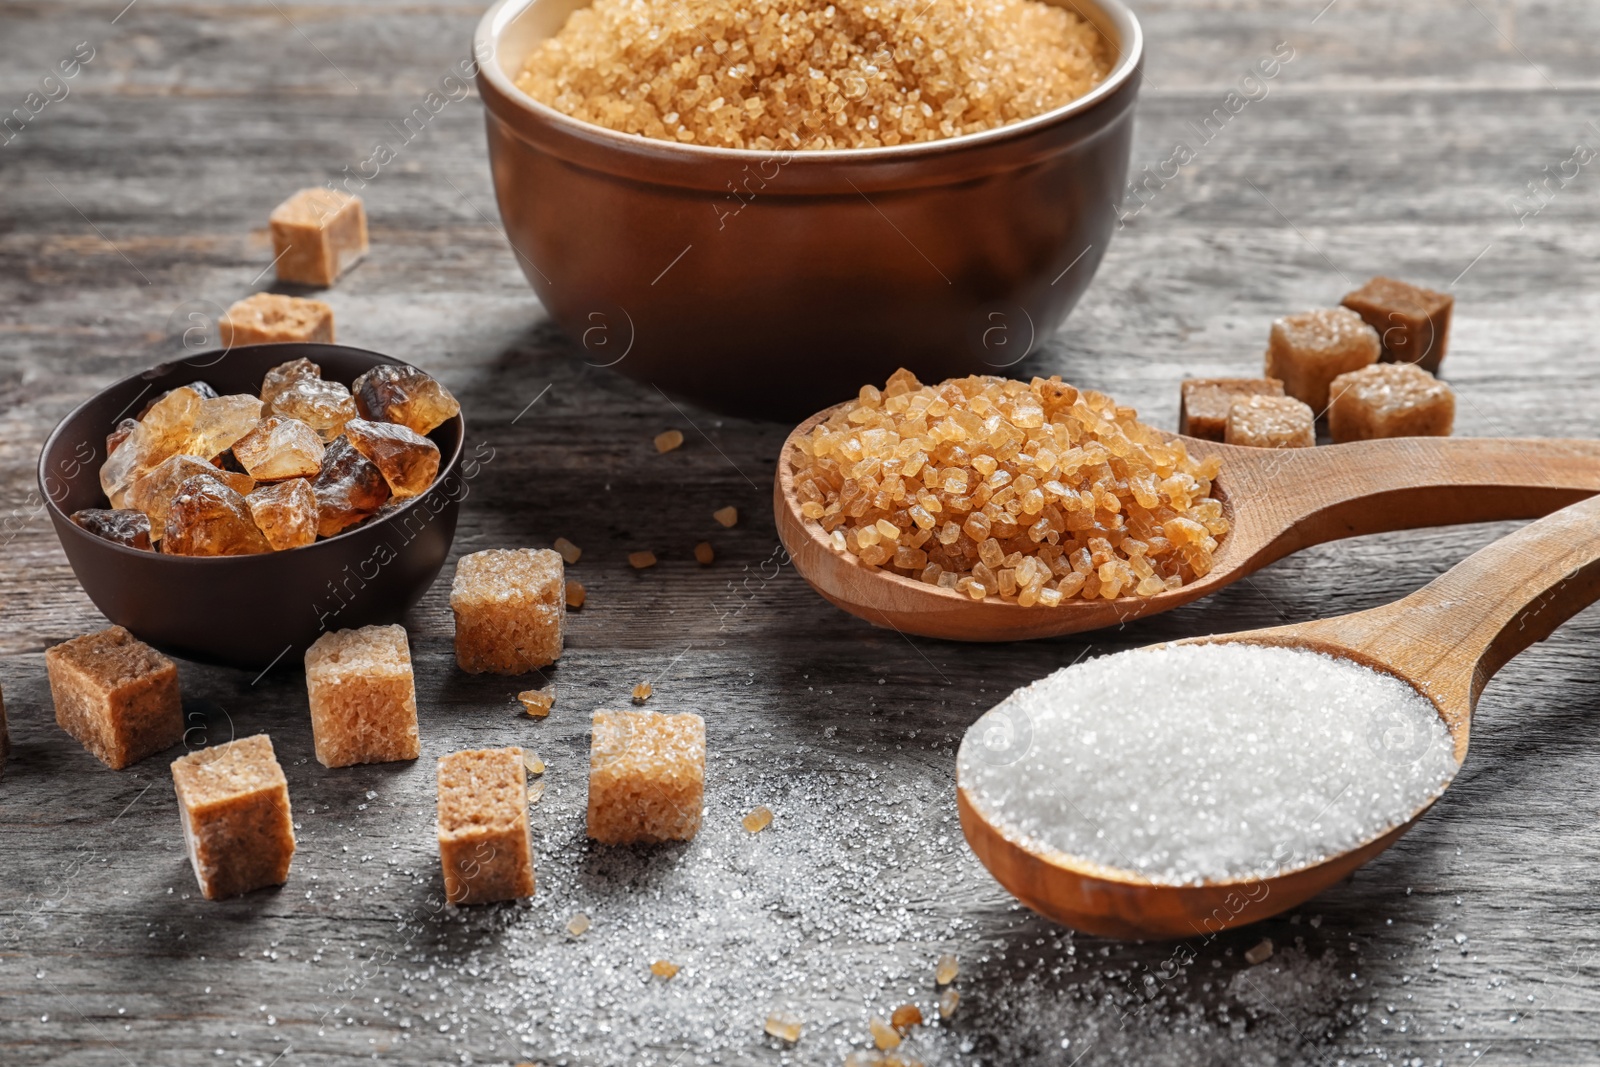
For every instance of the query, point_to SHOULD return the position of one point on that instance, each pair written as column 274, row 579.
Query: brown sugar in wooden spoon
column 1278, row 501
column 1446, row 640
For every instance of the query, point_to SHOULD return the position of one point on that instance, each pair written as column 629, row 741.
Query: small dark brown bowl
column 774, row 283
column 247, row 611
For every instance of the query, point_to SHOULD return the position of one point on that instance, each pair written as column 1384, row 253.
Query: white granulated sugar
column 1192, row 763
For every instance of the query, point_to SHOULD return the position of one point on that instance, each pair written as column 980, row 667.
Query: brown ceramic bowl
column 246, row 611
column 775, row 283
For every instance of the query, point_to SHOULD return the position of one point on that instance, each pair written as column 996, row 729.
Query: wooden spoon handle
column 1314, row 495
column 1457, row 631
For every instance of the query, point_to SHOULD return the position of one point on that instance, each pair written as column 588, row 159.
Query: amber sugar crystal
column 641, row 559
column 349, row 488
column 484, row 847
column 1027, row 491
column 667, row 440
column 407, row 459
column 537, row 702
column 285, row 513
column 664, row 968
column 784, row 1025
column 116, row 695
column 905, row 1017
column 570, row 553
column 576, row 594
column 208, row 518
column 728, row 516
column 406, row 395
column 278, row 448
column 704, row 554
column 233, row 801
column 642, row 692
column 123, row 527
column 646, row 776
column 757, row 819
column 805, row 74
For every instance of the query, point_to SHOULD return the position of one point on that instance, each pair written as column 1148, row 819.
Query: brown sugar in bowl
column 773, row 283
column 255, row 610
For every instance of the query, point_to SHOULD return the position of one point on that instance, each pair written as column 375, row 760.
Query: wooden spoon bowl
column 1446, row 640
column 1277, row 501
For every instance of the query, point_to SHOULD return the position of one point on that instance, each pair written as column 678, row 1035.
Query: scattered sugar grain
column 1196, row 762
column 664, row 969
column 784, row 1025
column 643, row 692
column 667, row 440
column 759, row 818
column 576, row 594
column 703, row 553
column 905, row 1017
column 532, row 762
column 946, row 969
column 535, row 792
column 884, row 1035
column 640, row 560
column 569, row 551
column 1261, row 953
column 948, row 1002
column 727, row 516
column 538, row 702
column 578, row 925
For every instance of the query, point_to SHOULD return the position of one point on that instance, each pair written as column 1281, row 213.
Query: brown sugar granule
column 576, row 594
column 1390, row 400
column 1204, row 403
column 643, row 692
column 813, row 74
column 758, row 819
column 647, row 774
column 570, row 552
column 667, row 440
column 531, row 762
column 640, row 560
column 905, row 1017
column 946, row 969
column 578, row 925
column 883, row 1035
column 784, row 1025
column 538, row 702
column 727, row 516
column 1413, row 323
column 948, row 1001
column 116, row 695
column 484, row 845
column 1028, row 491
column 704, row 554
column 1260, row 953
column 664, row 968
column 233, row 801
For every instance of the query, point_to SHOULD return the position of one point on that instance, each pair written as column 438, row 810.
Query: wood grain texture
column 1392, row 143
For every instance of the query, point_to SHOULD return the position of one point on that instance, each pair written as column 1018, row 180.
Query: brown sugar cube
column 1271, row 422
column 511, row 610
column 647, row 774
column 116, row 695
column 1413, row 323
column 1390, row 400
column 234, row 803
column 1307, row 352
column 317, row 235
column 269, row 318
column 363, row 700
column 1203, row 408
column 484, row 845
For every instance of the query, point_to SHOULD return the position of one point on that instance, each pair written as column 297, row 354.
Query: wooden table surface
column 1401, row 138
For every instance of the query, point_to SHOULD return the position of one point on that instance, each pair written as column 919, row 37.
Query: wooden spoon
column 1278, row 501
column 1446, row 640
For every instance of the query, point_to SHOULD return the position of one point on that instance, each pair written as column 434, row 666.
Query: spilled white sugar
column 1191, row 763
